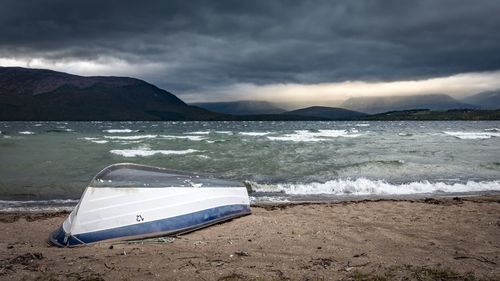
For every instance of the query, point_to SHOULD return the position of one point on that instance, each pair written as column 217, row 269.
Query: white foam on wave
column 363, row 125
column 363, row 186
column 63, row 128
column 198, row 133
column 26, row 133
column 492, row 130
column 139, row 137
column 95, row 140
column 145, row 151
column 119, row 131
column 224, row 132
column 55, row 205
column 255, row 134
column 192, row 138
column 309, row 136
column 268, row 199
column 127, row 141
column 472, row 135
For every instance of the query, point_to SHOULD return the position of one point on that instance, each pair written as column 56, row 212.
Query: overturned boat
column 131, row 201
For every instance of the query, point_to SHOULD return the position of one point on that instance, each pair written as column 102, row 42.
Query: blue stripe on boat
column 174, row 224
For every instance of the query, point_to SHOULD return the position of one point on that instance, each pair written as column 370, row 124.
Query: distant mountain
column 324, row 112
column 241, row 107
column 428, row 115
column 384, row 103
column 40, row 94
column 487, row 100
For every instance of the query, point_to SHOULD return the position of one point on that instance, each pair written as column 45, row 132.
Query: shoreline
column 344, row 199
column 419, row 239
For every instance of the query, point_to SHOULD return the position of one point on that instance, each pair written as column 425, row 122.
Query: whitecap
column 27, row 133
column 255, row 134
column 363, row 186
column 363, row 125
column 131, row 137
column 198, row 133
column 126, row 141
column 119, row 131
column 309, row 136
column 268, row 199
column 148, row 152
column 224, row 132
column 94, row 140
column 472, row 135
column 492, row 130
column 55, row 205
column 192, row 138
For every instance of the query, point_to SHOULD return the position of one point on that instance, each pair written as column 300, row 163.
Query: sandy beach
column 424, row 239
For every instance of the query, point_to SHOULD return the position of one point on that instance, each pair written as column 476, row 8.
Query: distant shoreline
column 404, row 115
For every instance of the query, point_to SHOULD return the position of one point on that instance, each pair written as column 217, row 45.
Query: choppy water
column 46, row 165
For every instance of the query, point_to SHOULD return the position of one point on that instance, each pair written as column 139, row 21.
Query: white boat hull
column 130, row 213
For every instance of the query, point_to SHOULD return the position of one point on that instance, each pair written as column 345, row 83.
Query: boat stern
column 59, row 237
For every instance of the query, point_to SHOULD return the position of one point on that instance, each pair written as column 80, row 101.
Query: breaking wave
column 314, row 136
column 192, row 138
column 119, row 131
column 198, row 133
column 139, row 137
column 27, row 133
column 254, row 134
column 144, row 152
column 363, row 186
column 473, row 135
column 55, row 205
column 95, row 140
column 492, row 130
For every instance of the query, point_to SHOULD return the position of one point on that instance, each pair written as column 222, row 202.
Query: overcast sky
column 304, row 52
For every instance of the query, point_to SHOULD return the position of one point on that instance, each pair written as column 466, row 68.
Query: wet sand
column 427, row 239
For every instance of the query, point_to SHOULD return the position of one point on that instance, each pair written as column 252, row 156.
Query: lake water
column 47, row 165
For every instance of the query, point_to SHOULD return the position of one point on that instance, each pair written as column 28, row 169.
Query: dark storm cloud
column 205, row 44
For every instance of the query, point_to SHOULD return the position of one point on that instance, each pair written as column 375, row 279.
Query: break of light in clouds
column 289, row 95
column 303, row 53
column 107, row 66
column 332, row 94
